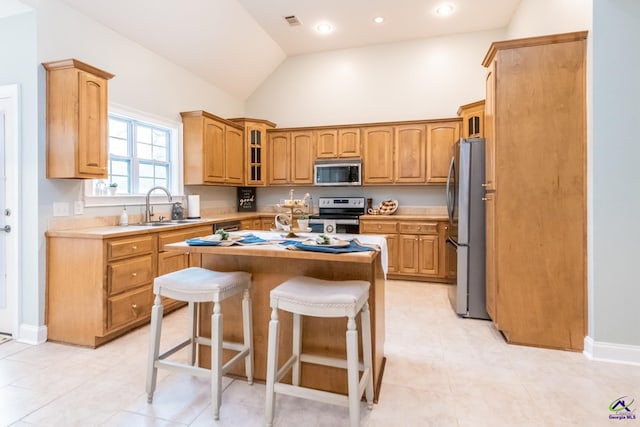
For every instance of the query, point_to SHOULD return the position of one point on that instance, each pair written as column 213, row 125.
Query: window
column 139, row 155
column 143, row 153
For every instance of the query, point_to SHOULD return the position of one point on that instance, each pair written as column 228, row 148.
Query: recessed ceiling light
column 378, row 19
column 324, row 28
column 445, row 9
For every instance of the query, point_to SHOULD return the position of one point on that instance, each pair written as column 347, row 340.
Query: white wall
column 18, row 65
column 420, row 79
column 540, row 17
column 144, row 81
column 615, row 229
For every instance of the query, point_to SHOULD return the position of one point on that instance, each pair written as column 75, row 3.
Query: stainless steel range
column 338, row 215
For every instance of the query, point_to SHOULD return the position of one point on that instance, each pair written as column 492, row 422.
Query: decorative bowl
column 388, row 207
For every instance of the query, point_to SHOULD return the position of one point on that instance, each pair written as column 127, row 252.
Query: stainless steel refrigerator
column 465, row 205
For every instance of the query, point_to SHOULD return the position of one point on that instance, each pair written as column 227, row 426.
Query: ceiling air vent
column 292, row 20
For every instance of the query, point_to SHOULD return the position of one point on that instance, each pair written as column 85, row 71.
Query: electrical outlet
column 78, row 207
column 61, row 209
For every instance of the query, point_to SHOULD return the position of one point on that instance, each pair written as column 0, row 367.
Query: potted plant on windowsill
column 113, row 187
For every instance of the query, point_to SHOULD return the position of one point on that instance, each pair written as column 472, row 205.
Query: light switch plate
column 61, row 209
column 78, row 207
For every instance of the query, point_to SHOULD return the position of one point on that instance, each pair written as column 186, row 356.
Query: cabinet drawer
column 182, row 235
column 418, row 227
column 130, row 247
column 379, row 227
column 129, row 274
column 129, row 307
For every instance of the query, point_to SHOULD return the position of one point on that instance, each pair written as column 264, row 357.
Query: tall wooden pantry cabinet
column 535, row 130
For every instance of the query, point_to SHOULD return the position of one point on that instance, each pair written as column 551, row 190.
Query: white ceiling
column 236, row 44
column 12, row 7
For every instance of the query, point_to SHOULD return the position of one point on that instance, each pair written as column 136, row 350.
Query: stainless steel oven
column 338, row 215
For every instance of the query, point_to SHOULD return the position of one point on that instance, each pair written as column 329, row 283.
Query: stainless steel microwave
column 337, row 172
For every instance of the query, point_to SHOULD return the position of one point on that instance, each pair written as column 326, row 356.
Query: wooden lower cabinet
column 416, row 248
column 100, row 288
column 265, row 223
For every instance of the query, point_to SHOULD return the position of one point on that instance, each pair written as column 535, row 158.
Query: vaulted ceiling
column 236, row 44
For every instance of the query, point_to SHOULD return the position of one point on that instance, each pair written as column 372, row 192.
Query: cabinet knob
column 134, row 308
column 134, row 274
column 485, row 185
column 134, row 247
column 484, row 199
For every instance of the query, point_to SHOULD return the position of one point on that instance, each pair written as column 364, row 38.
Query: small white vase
column 303, row 224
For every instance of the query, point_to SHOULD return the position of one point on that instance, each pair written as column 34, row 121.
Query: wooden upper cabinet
column 377, row 145
column 279, row 158
column 327, row 144
column 472, row 119
column 410, row 154
column 441, row 138
column 302, row 157
column 255, row 149
column 349, row 142
column 213, row 150
column 291, row 156
column 77, row 118
column 234, row 155
column 338, row 143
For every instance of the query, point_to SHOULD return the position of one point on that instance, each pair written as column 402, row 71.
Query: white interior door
column 9, row 253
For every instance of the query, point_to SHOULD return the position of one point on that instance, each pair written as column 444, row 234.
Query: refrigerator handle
column 449, row 201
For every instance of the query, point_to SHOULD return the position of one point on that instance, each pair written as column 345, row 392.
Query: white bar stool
column 307, row 296
column 195, row 285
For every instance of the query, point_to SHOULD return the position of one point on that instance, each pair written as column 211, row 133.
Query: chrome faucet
column 148, row 210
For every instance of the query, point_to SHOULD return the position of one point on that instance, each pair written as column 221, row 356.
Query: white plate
column 335, row 244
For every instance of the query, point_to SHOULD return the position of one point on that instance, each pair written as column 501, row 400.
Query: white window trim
column 176, row 186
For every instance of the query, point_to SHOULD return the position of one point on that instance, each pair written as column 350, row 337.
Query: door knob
column 6, row 229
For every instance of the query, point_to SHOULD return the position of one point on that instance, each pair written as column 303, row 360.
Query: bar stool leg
column 272, row 366
column 247, row 333
column 216, row 360
column 365, row 318
column 154, row 347
column 192, row 335
column 297, row 348
column 353, row 372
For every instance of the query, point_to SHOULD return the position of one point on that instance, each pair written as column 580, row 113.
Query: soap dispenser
column 124, row 217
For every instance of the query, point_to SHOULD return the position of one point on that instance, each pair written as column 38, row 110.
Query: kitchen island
column 272, row 264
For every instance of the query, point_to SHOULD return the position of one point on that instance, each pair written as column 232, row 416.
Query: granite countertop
column 112, row 230
column 101, row 231
column 411, row 217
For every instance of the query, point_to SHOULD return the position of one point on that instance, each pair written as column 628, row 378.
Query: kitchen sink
column 172, row 222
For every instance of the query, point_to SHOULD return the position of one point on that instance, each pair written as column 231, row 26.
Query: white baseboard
column 30, row 334
column 610, row 352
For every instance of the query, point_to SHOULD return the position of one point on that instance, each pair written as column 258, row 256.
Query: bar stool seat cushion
column 201, row 285
column 321, row 298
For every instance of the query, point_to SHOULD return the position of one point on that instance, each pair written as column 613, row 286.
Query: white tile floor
column 441, row 371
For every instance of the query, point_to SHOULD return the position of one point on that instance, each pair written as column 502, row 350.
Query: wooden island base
column 272, row 265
